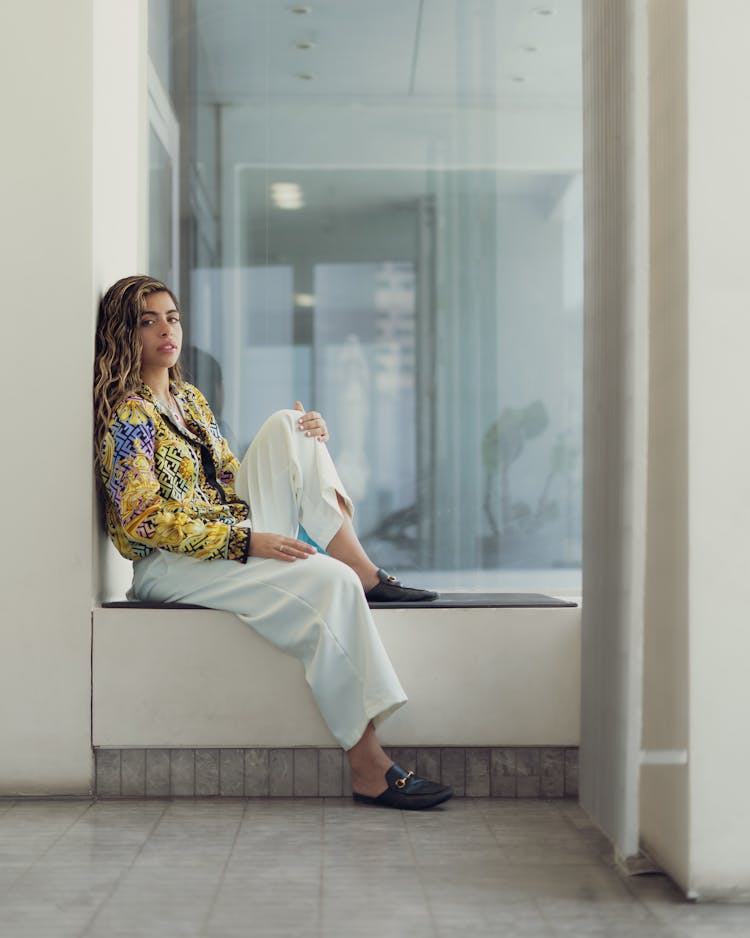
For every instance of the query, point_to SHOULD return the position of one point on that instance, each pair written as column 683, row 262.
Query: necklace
column 173, row 408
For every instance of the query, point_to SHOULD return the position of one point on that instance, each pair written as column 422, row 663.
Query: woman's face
column 160, row 331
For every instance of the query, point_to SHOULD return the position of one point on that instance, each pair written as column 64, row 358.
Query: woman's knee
column 280, row 420
column 337, row 574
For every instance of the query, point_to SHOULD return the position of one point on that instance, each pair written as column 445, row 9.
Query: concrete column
column 718, row 135
column 54, row 261
column 689, row 561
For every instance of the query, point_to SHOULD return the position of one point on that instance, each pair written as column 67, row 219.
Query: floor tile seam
column 321, row 868
column 220, row 880
column 323, row 865
column 478, row 805
column 123, row 872
column 545, row 918
column 433, row 920
column 625, row 880
column 633, row 895
column 27, row 869
column 497, row 832
column 568, row 821
column 579, row 834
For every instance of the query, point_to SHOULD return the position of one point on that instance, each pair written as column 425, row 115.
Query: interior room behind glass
column 379, row 214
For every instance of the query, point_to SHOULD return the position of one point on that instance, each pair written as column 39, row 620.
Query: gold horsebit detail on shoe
column 401, row 782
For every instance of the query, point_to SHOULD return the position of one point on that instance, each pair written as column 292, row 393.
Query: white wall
column 48, row 301
column 664, row 788
column 119, row 180
column 615, row 405
column 695, row 816
column 694, row 811
column 55, row 260
column 719, row 446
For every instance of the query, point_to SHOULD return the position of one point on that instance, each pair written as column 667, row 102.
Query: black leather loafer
column 390, row 590
column 409, row 791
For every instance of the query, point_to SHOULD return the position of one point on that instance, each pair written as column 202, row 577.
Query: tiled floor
column 327, row 867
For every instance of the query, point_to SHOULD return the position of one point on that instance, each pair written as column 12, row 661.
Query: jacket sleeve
column 146, row 515
column 229, row 466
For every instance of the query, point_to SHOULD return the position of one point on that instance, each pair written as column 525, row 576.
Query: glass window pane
column 160, row 210
column 386, row 218
column 160, row 44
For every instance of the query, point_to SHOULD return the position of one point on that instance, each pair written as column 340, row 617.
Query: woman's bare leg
column 369, row 763
column 345, row 546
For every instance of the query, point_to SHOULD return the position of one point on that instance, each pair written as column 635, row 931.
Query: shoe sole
column 405, row 802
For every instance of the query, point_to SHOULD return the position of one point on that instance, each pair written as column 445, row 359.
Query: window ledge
column 444, row 601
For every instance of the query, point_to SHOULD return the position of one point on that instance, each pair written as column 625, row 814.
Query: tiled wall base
column 511, row 772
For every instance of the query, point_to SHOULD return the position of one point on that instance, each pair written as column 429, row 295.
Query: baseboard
column 319, row 772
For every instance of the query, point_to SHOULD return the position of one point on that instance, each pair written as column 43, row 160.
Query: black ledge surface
column 444, row 601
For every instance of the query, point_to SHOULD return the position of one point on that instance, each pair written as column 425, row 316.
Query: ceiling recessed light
column 287, row 195
column 304, row 300
column 518, row 79
column 301, row 10
column 304, row 44
column 305, row 76
column 544, row 11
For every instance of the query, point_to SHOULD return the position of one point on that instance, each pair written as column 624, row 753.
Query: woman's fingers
column 291, row 549
column 312, row 423
column 278, row 547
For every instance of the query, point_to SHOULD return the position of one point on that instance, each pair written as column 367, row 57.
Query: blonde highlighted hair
column 117, row 356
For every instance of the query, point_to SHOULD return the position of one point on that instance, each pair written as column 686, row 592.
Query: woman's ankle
column 370, row 779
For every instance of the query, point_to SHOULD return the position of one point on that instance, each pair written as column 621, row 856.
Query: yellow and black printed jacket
column 171, row 489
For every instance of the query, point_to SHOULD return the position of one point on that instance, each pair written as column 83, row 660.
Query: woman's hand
column 312, row 424
column 278, row 547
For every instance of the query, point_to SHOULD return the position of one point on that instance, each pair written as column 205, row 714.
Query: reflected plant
column 502, row 445
column 562, row 461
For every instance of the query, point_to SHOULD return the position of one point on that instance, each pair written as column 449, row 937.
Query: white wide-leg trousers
column 314, row 609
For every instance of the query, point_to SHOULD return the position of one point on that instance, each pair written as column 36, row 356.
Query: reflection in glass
column 160, row 210
column 395, row 240
column 160, row 45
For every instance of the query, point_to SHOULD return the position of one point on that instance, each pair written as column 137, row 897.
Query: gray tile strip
column 231, row 773
column 256, row 773
column 182, row 772
column 157, row 773
column 133, row 773
column 453, row 769
column 207, row 772
column 503, row 773
column 108, row 773
column 477, row 773
column 305, row 773
column 330, row 773
column 309, row 772
column 281, row 773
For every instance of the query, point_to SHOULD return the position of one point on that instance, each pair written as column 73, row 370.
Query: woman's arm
column 144, row 507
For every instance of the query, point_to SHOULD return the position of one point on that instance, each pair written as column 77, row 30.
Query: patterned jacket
column 171, row 489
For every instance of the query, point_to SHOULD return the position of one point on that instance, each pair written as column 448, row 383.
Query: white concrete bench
column 502, row 675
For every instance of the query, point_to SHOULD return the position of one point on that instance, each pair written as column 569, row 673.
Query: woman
column 202, row 528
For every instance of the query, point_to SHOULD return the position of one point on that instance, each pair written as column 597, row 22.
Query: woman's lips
column 167, row 348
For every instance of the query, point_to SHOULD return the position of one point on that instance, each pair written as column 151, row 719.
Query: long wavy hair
column 117, row 355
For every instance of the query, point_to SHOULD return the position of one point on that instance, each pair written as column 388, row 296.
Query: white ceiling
column 399, row 87
column 472, row 51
